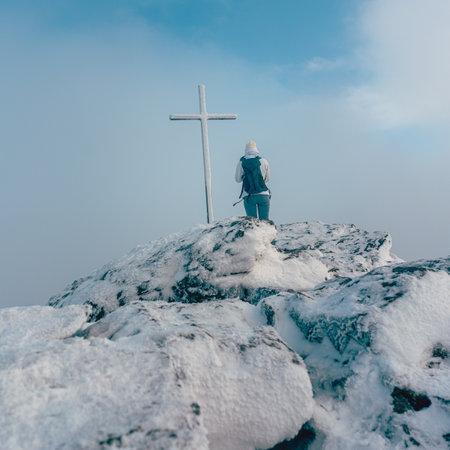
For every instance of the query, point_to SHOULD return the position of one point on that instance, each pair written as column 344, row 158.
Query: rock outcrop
column 236, row 335
column 240, row 257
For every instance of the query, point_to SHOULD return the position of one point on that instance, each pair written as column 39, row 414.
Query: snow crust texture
column 236, row 335
column 149, row 375
column 238, row 257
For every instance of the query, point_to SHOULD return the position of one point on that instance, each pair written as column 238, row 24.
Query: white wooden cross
column 204, row 117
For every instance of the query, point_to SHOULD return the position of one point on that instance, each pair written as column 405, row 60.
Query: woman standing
column 254, row 172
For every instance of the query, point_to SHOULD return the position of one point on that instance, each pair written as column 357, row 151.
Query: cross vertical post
column 204, row 117
column 206, row 159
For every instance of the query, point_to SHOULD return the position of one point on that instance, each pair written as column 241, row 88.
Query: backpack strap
column 242, row 191
column 243, row 174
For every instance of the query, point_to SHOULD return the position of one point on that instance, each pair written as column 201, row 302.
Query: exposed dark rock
column 391, row 298
column 143, row 288
column 97, row 313
column 294, row 253
column 116, row 441
column 387, row 284
column 121, row 298
column 103, row 277
column 410, row 439
column 305, row 437
column 406, row 399
column 56, row 299
column 195, row 408
column 192, row 289
column 312, row 331
column 374, row 243
column 112, row 440
column 269, row 313
column 157, row 433
column 418, row 271
column 340, row 331
column 339, row 387
column 238, row 235
column 439, row 351
column 253, row 296
column 267, row 338
column 190, row 336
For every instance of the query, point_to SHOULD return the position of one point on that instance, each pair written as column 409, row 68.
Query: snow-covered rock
column 149, row 375
column 376, row 348
column 236, row 335
column 238, row 257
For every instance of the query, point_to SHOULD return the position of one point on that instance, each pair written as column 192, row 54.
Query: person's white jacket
column 265, row 169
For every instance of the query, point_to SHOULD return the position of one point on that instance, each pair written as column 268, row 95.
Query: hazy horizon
column 350, row 104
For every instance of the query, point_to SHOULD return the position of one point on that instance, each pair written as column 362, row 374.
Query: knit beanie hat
column 250, row 145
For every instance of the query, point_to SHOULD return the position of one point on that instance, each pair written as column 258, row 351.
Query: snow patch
column 236, row 335
column 150, row 375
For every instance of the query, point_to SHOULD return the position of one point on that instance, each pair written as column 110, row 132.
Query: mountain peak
column 236, row 335
column 238, row 257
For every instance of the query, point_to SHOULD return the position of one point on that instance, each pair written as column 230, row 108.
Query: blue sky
column 349, row 101
column 259, row 31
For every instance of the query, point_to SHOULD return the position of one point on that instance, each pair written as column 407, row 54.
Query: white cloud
column 319, row 64
column 405, row 57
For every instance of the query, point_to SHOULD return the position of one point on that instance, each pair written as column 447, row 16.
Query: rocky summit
column 236, row 335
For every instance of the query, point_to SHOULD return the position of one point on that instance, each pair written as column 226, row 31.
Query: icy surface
column 376, row 348
column 149, row 375
column 238, row 257
column 236, row 335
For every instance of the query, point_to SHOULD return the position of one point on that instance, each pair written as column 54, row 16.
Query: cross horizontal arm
column 222, row 116
column 185, row 117
column 201, row 116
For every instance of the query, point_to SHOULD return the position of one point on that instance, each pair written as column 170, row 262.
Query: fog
column 92, row 166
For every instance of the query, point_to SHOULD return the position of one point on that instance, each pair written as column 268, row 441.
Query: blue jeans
column 257, row 202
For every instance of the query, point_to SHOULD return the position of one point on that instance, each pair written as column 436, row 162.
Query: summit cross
column 204, row 117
